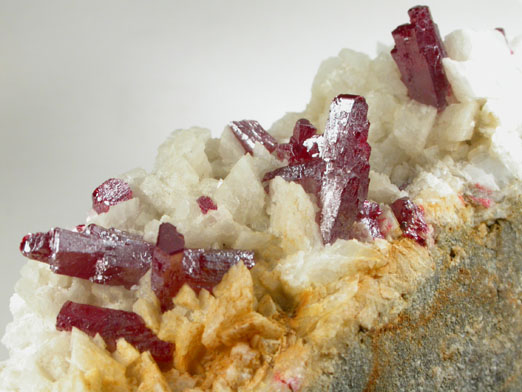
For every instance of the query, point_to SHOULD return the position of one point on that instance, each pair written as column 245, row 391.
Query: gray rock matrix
column 463, row 328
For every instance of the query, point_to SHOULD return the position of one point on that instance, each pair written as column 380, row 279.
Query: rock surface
column 463, row 328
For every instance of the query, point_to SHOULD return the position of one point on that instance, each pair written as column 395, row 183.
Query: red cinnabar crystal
column 250, row 132
column 106, row 256
column 302, row 146
column 411, row 219
column 347, row 153
column 339, row 177
column 199, row 268
column 309, row 175
column 418, row 53
column 112, row 325
column 206, row 204
column 110, row 193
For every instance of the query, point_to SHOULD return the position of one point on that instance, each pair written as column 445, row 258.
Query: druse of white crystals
column 293, row 216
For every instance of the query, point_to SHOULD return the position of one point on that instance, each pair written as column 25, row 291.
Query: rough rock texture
column 463, row 328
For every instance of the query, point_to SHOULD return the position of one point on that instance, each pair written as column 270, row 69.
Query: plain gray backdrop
column 89, row 89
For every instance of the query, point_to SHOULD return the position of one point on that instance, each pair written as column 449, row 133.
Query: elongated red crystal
column 112, row 325
column 206, row 204
column 250, row 132
column 110, row 193
column 199, row 268
column 309, row 175
column 105, row 256
column 418, row 53
column 339, row 176
column 302, row 146
column 411, row 219
column 346, row 178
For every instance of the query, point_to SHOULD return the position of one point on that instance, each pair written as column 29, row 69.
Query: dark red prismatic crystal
column 418, row 53
column 250, row 132
column 206, row 204
column 339, row 176
column 112, row 325
column 106, row 256
column 111, row 192
column 302, row 146
column 411, row 219
column 346, row 178
column 199, row 268
column 309, row 175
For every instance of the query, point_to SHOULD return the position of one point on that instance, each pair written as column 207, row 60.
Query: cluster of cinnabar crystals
column 418, row 53
column 334, row 168
column 114, row 257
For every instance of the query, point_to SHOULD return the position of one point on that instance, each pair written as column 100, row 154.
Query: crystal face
column 206, row 204
column 199, row 268
column 105, row 256
column 110, row 193
column 346, row 178
column 309, row 175
column 112, row 325
column 418, row 53
column 339, row 176
column 250, row 132
column 303, row 144
column 411, row 219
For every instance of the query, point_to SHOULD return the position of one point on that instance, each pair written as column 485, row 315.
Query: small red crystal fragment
column 418, row 53
column 302, row 146
column 170, row 240
column 347, row 153
column 105, row 256
column 250, row 132
column 110, row 193
column 206, row 204
column 199, row 268
column 112, row 325
column 411, row 219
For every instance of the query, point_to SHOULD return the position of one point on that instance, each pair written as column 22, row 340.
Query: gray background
column 89, row 89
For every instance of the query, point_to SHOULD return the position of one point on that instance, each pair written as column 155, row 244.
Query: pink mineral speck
column 105, row 256
column 110, row 193
column 418, row 53
column 370, row 216
column 112, row 325
column 250, row 132
column 199, row 268
column 206, row 204
column 411, row 219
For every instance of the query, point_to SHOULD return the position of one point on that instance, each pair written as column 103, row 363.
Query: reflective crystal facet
column 250, row 132
column 105, row 256
column 110, row 193
column 411, row 219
